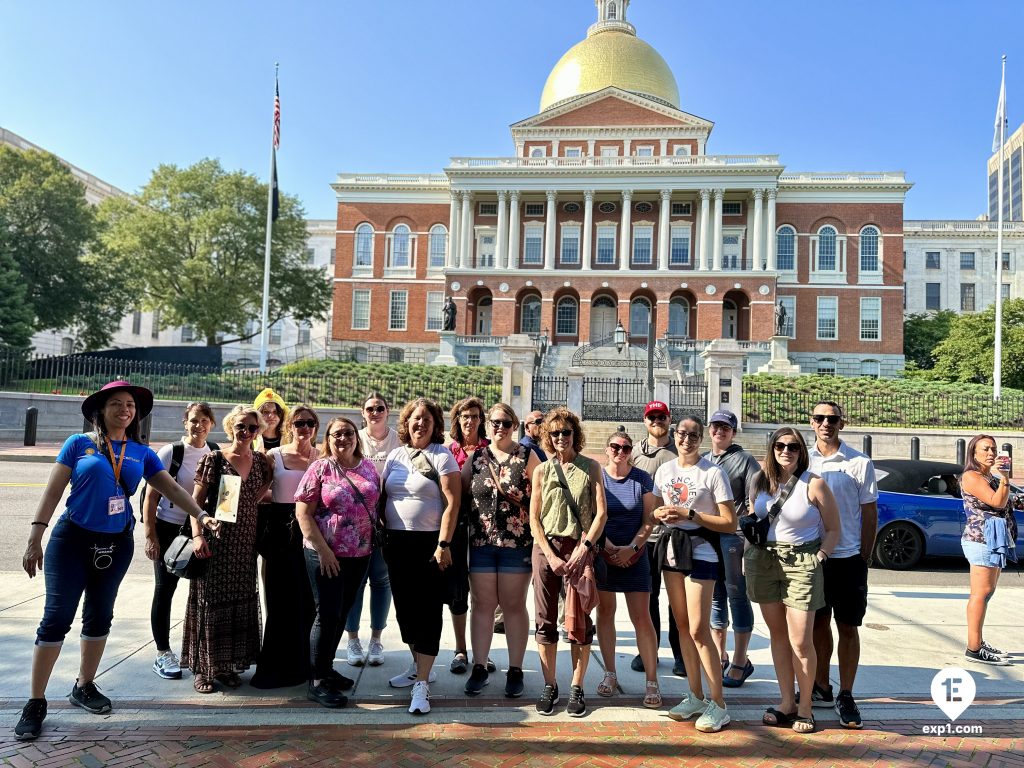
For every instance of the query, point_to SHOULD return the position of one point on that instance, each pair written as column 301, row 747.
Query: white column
column 466, row 221
column 453, row 231
column 769, row 235
column 664, row 147
column 716, row 243
column 588, row 228
column 663, row 228
column 501, row 257
column 758, row 234
column 550, row 231
column 626, row 235
column 705, row 194
column 513, row 230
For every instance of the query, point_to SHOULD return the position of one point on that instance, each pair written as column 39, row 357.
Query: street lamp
column 620, row 337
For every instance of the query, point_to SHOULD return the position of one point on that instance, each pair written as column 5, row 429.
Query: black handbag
column 755, row 529
column 180, row 558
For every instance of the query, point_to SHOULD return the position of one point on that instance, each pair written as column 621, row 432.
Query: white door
column 485, row 249
column 603, row 317
column 483, row 317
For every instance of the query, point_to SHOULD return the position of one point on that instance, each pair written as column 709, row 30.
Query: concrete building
column 1013, row 166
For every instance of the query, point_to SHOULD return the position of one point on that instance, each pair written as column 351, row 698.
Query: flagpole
column 265, row 330
column 997, row 367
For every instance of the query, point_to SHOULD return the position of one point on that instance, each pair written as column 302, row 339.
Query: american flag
column 277, row 115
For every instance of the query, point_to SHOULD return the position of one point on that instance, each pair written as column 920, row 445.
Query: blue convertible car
column 920, row 512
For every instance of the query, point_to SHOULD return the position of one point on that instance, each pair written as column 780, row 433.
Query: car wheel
column 900, row 546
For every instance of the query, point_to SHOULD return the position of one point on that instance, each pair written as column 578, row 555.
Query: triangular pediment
column 614, row 107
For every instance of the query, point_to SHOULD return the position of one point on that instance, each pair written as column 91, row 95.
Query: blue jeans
column 73, row 566
column 731, row 592
column 380, row 595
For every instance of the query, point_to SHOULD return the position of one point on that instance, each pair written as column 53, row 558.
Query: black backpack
column 177, row 456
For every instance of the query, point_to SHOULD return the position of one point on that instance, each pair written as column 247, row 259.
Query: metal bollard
column 31, row 424
column 915, row 448
column 145, row 427
column 961, row 451
column 866, row 447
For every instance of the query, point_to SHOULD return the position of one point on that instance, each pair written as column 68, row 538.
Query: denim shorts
column 492, row 559
column 981, row 554
column 703, row 570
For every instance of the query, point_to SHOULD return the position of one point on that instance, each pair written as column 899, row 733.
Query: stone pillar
column 513, row 230
column 625, row 236
column 705, row 195
column 780, row 364
column 466, row 225
column 550, row 231
column 664, row 228
column 453, row 232
column 769, row 234
column 662, row 379
column 517, row 358
column 574, row 391
column 501, row 257
column 723, row 372
column 446, row 355
column 758, row 234
column 716, row 244
column 586, row 259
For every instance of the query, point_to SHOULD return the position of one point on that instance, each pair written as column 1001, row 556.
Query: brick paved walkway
column 601, row 744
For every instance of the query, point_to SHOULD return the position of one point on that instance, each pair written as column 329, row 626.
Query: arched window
column 785, row 248
column 679, row 318
column 869, row 250
column 438, row 245
column 870, row 368
column 537, row 152
column 612, row 11
column 364, row 246
column 682, row 150
column 639, row 317
column 529, row 315
column 827, row 249
column 400, row 247
column 566, row 316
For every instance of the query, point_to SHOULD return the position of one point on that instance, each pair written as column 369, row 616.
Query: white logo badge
column 953, row 691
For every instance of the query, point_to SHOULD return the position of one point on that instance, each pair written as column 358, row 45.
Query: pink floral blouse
column 343, row 519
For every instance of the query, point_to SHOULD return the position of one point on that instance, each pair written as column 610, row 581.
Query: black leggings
column 333, row 597
column 166, row 584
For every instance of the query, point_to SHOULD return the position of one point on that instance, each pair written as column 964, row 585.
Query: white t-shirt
column 851, row 478
column 378, row 451
column 701, row 487
column 414, row 501
column 186, row 478
column 286, row 481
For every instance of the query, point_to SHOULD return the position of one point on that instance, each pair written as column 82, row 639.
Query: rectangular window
column 137, row 322
column 789, row 323
column 364, row 246
column 398, row 310
column 870, row 318
column 535, row 209
column 570, row 245
column 933, row 296
column 642, row 237
column 488, row 209
column 967, row 300
column 826, row 368
column 573, row 152
column 1006, row 262
column 67, row 345
column 828, row 315
column 1006, row 291
column 473, row 357
column 932, row 260
column 360, row 310
column 732, row 209
column 645, row 151
column 276, row 331
column 605, row 245
column 155, row 330
column 533, row 245
column 252, row 329
column 609, row 151
column 188, row 335
column 966, row 260
column 304, row 330
column 679, row 246
column 435, row 301
column 680, row 209
column 785, row 249
column 310, row 256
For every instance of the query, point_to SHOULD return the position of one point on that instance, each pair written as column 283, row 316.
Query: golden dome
column 610, row 57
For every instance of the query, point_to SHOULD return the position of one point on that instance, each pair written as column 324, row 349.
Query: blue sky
column 118, row 87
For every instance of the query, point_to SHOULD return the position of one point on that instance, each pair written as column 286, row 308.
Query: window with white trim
column 251, row 329
column 364, row 246
column 537, row 152
column 870, row 318
column 605, row 245
column 566, row 315
column 679, row 246
column 398, row 310
column 826, row 367
column 473, row 357
column 639, row 316
column 67, row 345
column 967, row 297
column 438, row 245
column 435, row 302
column 933, row 260
column 682, row 150
column 400, row 248
column 645, row 151
column 609, row 151
column 828, row 318
column 360, row 310
column 643, row 236
column 333, row 256
column 828, row 258
column 734, row 208
column 789, row 324
column 188, row 334
column 488, row 209
column 137, row 322
column 155, row 330
column 534, row 209
column 304, row 332
column 966, row 260
column 869, row 240
column 573, row 152
column 679, row 317
column 533, row 244
column 680, row 209
column 870, row 368
column 570, row 246
column 1006, row 291
column 785, row 248
column 529, row 315
column 310, row 255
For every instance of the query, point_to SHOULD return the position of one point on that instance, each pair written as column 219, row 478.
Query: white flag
column 1000, row 115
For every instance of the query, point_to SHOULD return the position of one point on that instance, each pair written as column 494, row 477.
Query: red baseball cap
column 655, row 406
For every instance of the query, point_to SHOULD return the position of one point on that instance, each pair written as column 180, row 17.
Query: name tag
column 115, row 505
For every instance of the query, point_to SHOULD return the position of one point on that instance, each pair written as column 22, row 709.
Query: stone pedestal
column 723, row 372
column 574, row 390
column 446, row 355
column 517, row 357
column 662, row 379
column 780, row 364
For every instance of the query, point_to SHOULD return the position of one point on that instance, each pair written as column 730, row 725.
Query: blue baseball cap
column 724, row 417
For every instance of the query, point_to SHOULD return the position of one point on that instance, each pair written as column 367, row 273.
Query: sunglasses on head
column 375, row 408
column 307, row 423
column 683, row 435
column 561, row 433
column 657, row 417
column 501, row 423
column 781, row 447
column 623, row 447
column 252, row 429
column 343, row 434
column 830, row 418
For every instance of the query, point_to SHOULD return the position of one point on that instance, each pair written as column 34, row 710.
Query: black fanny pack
column 755, row 529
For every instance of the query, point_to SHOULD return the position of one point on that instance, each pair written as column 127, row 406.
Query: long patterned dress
column 222, row 617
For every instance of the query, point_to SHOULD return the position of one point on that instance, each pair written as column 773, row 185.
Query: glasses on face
column 343, row 434
column 682, row 434
column 501, row 424
column 781, row 447
column 820, row 417
column 469, row 417
column 623, row 447
column 252, row 429
column 657, row 417
column 307, row 423
column 375, row 408
column 536, row 422
column 560, row 433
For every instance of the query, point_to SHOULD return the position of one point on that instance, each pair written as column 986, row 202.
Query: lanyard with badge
column 116, row 504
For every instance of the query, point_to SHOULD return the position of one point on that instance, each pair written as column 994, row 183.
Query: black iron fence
column 688, row 396
column 549, row 392
column 614, row 399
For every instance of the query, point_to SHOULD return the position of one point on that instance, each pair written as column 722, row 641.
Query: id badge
column 115, row 505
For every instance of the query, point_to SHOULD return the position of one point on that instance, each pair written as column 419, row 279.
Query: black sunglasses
column 560, row 433
column 506, row 423
column 781, row 447
column 308, row 423
column 657, row 417
column 820, row 417
column 343, row 434
column 536, row 422
column 375, row 408
column 252, row 429
column 616, row 447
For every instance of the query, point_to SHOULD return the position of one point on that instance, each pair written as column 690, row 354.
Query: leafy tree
column 922, row 333
column 15, row 313
column 967, row 354
column 192, row 243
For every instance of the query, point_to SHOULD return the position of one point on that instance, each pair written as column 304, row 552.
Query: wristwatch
column 442, row 544
column 635, row 547
column 587, row 544
column 691, row 513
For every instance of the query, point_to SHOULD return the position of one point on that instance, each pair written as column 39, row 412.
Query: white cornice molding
column 685, row 118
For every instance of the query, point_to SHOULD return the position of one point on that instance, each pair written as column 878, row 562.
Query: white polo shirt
column 850, row 476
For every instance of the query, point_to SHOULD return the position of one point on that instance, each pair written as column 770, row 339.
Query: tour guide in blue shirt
column 91, row 545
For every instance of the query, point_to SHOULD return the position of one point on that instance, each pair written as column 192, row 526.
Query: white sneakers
column 355, row 652
column 376, row 655
column 408, row 677
column 713, row 719
column 167, row 666
column 688, row 707
column 420, row 704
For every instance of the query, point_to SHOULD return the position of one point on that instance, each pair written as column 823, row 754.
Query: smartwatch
column 587, row 544
column 443, row 544
column 690, row 515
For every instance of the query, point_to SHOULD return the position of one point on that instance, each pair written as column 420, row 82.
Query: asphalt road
column 21, row 487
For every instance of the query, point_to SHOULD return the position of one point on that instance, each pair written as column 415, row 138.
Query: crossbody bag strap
column 362, row 499
column 776, row 509
column 569, row 500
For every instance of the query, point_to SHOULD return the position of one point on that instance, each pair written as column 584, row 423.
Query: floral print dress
column 494, row 518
